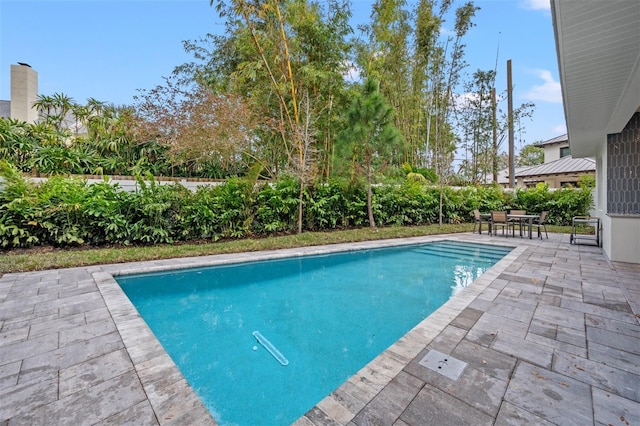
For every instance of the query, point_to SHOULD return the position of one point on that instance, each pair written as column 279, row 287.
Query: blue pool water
column 327, row 316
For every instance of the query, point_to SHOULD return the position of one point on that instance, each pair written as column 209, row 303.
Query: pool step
column 452, row 251
column 484, row 248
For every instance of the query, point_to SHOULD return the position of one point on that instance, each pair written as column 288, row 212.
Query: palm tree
column 44, row 105
column 62, row 104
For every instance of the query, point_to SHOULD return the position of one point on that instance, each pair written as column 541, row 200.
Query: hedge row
column 67, row 212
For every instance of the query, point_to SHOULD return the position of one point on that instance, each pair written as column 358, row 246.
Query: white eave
column 598, row 47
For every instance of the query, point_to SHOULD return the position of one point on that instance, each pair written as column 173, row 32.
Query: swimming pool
column 327, row 315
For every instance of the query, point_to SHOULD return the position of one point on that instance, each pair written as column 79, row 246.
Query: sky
column 109, row 50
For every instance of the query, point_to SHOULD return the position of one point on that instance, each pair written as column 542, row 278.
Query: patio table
column 522, row 218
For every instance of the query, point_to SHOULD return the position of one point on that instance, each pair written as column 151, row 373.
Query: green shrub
column 68, row 212
column 277, row 207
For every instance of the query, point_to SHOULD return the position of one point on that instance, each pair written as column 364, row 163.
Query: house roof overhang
column 598, row 48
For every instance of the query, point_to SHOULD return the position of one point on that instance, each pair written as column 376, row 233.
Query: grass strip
column 43, row 258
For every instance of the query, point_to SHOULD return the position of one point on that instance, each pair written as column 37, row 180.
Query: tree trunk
column 372, row 221
column 300, row 194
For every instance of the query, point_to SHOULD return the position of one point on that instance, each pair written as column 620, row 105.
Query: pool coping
column 151, row 361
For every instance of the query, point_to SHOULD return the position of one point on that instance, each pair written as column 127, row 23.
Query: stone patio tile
column 317, row 417
column 543, row 328
column 489, row 325
column 97, row 315
column 389, row 404
column 349, row 402
column 498, row 284
column 489, row 294
column 626, row 361
column 86, row 332
column 140, row 414
column 448, row 339
column 72, row 354
column 573, row 336
column 521, row 312
column 597, row 310
column 433, row 407
column 607, row 303
column 9, row 374
column 178, row 404
column 104, row 400
column 67, row 302
column 547, row 282
column 560, row 316
column 16, row 311
column 81, row 307
column 20, row 350
column 57, row 325
column 610, row 409
column 27, row 320
column 145, row 349
column 546, row 299
column 527, row 288
column 613, row 340
column 30, row 292
column 365, row 390
column 14, row 335
column 523, row 349
column 474, row 387
column 599, row 375
column 552, row 396
column 80, row 377
column 624, row 328
column 26, row 397
column 510, row 415
column 75, row 288
column 467, row 318
column 485, row 360
column 351, row 396
column 557, row 344
column 480, row 305
column 335, row 410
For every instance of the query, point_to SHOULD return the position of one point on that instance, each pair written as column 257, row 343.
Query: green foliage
column 411, row 203
column 530, row 155
column 68, row 212
column 562, row 204
column 277, row 206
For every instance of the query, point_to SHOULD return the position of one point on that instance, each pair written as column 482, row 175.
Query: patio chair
column 478, row 220
column 499, row 220
column 540, row 224
column 517, row 221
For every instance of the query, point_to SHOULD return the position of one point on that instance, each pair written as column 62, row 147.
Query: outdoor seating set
column 509, row 221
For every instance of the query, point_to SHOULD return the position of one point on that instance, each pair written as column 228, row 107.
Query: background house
column 598, row 47
column 559, row 169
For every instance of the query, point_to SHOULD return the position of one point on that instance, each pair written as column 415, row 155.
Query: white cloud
column 536, row 4
column 464, row 100
column 548, row 91
column 351, row 72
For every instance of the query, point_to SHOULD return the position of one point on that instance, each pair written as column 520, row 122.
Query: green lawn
column 41, row 258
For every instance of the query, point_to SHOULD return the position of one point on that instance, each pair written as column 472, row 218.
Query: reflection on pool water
column 327, row 316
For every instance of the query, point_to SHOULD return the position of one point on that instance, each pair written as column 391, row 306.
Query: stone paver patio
column 549, row 335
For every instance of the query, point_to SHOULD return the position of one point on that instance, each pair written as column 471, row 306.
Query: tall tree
column 282, row 51
column 370, row 135
column 199, row 128
column 530, row 155
column 385, row 57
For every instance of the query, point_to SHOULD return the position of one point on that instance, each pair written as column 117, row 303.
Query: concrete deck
column 549, row 335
